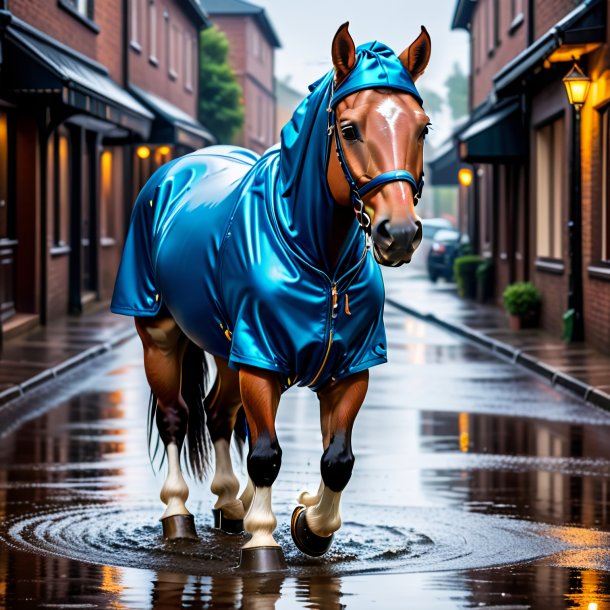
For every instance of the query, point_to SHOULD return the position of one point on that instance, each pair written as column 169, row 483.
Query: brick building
column 252, row 44
column 90, row 102
column 519, row 139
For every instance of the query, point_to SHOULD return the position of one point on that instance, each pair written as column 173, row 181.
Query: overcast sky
column 306, row 30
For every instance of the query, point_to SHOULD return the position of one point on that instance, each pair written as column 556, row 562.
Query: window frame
column 135, row 33
column 86, row 16
column 550, row 258
column 153, row 33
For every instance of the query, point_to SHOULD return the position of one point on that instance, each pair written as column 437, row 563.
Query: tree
column 457, row 92
column 220, row 96
column 432, row 100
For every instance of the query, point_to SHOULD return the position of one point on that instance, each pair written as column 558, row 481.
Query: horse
column 271, row 266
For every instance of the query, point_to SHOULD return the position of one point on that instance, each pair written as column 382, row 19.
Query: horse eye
column 349, row 132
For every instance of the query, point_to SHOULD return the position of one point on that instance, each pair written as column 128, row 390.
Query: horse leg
column 313, row 526
column 222, row 405
column 260, row 393
column 164, row 345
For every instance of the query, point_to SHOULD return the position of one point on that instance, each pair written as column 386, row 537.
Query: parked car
column 446, row 246
column 430, row 227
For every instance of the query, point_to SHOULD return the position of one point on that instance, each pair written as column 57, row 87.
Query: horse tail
column 193, row 387
column 241, row 432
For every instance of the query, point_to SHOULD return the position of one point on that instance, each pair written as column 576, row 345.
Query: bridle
column 357, row 193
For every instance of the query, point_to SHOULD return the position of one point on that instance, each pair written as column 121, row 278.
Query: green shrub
column 521, row 298
column 464, row 269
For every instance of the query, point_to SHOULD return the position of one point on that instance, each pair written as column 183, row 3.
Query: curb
column 19, row 390
column 554, row 376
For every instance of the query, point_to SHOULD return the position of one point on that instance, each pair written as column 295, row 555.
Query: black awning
column 497, row 136
column 584, row 25
column 37, row 64
column 172, row 125
column 444, row 165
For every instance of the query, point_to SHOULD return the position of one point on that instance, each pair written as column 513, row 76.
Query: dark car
column 446, row 246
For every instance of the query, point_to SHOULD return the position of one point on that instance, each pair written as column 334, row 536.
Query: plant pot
column 514, row 322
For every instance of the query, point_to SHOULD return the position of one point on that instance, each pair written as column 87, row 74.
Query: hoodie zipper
column 331, row 318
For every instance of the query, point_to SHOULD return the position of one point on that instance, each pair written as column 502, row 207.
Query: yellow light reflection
column 463, row 424
column 164, row 150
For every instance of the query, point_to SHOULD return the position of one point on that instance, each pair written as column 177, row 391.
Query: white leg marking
column 324, row 518
column 225, row 484
column 307, row 499
column 247, row 495
column 260, row 520
column 174, row 491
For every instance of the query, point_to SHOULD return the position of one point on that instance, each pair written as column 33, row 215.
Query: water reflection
column 553, row 472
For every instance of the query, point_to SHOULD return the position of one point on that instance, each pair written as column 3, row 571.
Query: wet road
column 476, row 486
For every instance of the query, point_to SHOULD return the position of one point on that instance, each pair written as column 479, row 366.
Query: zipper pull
column 347, row 311
column 335, row 301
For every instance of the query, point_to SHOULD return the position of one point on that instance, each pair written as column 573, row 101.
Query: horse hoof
column 306, row 541
column 228, row 526
column 262, row 559
column 179, row 527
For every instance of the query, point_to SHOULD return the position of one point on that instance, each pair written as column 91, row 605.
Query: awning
column 497, row 136
column 173, row 125
column 585, row 25
column 37, row 64
column 444, row 165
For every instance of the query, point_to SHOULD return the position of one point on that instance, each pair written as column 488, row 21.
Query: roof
column 172, row 124
column 586, row 23
column 462, row 15
column 241, row 8
column 40, row 64
column 197, row 11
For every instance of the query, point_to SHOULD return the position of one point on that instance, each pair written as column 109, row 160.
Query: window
column 108, row 193
column 174, row 48
column 134, row 17
column 58, row 175
column 516, row 14
column 492, row 25
column 550, row 165
column 189, row 62
column 152, row 32
column 605, row 194
column 4, row 220
column 82, row 7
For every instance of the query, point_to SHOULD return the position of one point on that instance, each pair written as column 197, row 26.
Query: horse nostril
column 418, row 234
column 382, row 232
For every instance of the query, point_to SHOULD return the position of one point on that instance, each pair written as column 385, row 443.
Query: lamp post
column 577, row 86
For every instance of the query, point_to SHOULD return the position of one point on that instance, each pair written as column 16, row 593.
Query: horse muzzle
column 394, row 245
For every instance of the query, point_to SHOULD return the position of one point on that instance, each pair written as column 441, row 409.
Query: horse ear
column 415, row 58
column 343, row 52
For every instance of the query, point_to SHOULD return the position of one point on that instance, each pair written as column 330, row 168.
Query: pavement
column 576, row 367
column 43, row 353
column 48, row 351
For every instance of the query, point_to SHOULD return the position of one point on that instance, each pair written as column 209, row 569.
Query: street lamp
column 577, row 86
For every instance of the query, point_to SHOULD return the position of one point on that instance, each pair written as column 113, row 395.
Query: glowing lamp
column 577, row 85
column 143, row 152
column 465, row 176
column 164, row 150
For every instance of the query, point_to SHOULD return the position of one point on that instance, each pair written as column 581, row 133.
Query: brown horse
column 378, row 132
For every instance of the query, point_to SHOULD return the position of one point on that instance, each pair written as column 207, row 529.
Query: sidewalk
column 45, row 352
column 576, row 367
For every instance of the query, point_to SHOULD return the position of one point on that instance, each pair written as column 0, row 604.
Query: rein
column 357, row 193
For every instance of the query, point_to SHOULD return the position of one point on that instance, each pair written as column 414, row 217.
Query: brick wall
column 485, row 62
column 149, row 63
column 549, row 12
column 251, row 58
column 103, row 46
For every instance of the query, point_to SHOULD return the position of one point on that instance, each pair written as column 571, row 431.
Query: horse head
column 376, row 158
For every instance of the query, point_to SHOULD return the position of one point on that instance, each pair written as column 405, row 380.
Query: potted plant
column 465, row 269
column 522, row 303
